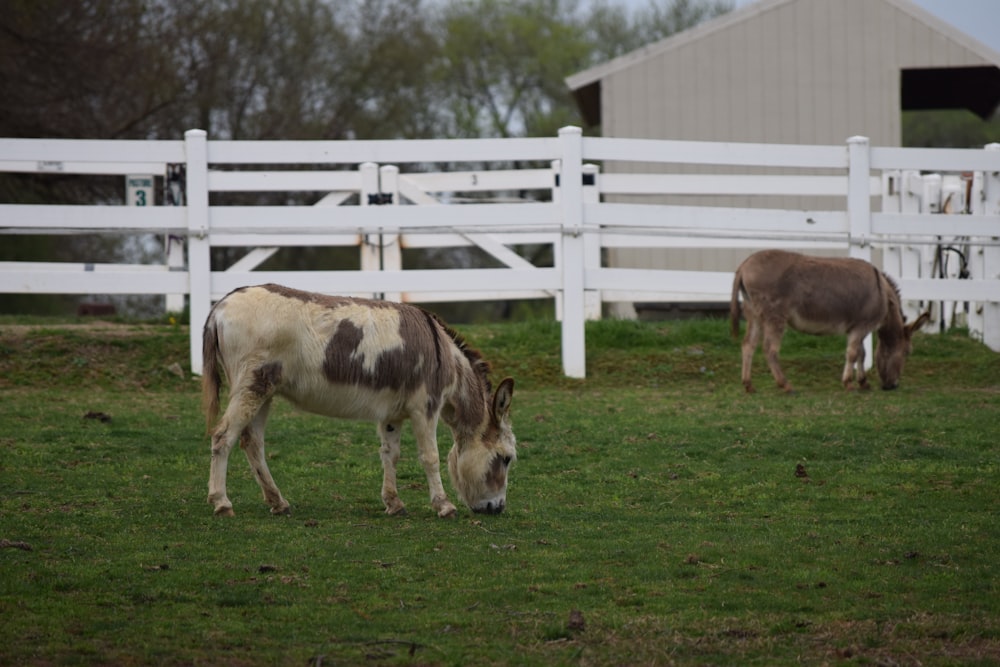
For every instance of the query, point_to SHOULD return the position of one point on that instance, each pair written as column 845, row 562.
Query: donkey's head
column 894, row 347
column 478, row 464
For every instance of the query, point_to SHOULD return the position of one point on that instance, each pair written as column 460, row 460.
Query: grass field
column 656, row 515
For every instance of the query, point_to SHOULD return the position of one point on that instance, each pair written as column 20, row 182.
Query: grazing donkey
column 818, row 295
column 355, row 359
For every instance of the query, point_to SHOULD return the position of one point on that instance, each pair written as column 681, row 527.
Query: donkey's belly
column 816, row 327
column 348, row 402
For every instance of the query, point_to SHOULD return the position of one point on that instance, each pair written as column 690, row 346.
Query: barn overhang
column 974, row 88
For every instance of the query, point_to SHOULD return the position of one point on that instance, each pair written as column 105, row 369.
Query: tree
column 502, row 66
column 308, row 69
column 612, row 32
column 949, row 128
column 297, row 69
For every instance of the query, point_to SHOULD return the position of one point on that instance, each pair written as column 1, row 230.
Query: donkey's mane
column 892, row 283
column 474, row 356
column 898, row 300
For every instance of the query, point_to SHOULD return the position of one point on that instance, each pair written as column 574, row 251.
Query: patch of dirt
column 117, row 329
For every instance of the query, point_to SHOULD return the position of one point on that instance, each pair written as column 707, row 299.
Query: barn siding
column 780, row 71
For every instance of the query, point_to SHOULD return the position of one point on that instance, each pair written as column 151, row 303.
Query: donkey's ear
column 501, row 399
column 917, row 323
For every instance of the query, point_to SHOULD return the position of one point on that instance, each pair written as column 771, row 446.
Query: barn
column 786, row 71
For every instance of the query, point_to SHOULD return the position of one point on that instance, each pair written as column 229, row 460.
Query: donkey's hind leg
column 245, row 401
column 854, row 363
column 750, row 342
column 774, row 331
column 242, row 407
column 252, row 442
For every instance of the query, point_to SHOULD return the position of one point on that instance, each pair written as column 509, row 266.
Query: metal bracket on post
column 380, row 199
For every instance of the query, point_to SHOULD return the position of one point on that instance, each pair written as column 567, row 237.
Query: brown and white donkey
column 355, row 359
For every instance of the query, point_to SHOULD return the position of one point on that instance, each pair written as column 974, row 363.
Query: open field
column 656, row 514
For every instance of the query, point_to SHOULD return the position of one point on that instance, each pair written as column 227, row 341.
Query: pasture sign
column 139, row 190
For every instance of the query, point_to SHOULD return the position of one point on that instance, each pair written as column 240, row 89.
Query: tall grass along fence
column 587, row 194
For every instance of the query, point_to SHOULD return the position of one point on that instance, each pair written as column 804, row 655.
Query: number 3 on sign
column 139, row 190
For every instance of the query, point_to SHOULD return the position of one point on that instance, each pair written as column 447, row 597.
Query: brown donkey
column 818, row 295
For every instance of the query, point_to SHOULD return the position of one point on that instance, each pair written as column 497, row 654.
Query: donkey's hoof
column 448, row 511
column 393, row 505
column 224, row 511
column 282, row 511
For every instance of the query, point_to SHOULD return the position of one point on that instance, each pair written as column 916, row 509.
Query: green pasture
column 657, row 515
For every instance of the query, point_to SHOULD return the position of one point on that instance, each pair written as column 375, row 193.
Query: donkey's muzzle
column 490, row 508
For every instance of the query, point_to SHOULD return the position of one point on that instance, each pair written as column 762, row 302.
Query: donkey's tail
column 734, row 304
column 210, row 379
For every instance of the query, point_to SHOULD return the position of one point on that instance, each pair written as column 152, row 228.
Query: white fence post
column 912, row 259
column 859, row 211
column 556, row 166
column 371, row 252
column 574, row 356
column 392, row 254
column 199, row 245
column 991, row 257
column 591, row 242
column 859, row 207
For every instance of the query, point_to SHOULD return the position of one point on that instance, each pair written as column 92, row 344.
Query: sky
column 977, row 18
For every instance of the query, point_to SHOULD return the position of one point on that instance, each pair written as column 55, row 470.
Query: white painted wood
column 572, row 253
column 198, row 242
column 578, row 222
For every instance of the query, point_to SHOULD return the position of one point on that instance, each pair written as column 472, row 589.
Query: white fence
column 576, row 222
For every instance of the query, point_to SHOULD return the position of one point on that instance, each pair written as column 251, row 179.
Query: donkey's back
column 335, row 356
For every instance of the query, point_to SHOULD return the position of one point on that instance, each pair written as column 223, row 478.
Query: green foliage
column 657, row 514
column 300, row 69
column 955, row 128
column 505, row 61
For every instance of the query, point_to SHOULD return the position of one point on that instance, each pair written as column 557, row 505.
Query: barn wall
column 788, row 71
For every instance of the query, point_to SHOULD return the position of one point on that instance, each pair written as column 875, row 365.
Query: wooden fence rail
column 381, row 196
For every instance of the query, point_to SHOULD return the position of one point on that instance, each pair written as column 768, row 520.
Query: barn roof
column 973, row 84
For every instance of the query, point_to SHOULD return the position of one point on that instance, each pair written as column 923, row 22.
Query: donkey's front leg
column 854, row 364
column 427, row 450
column 389, row 433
